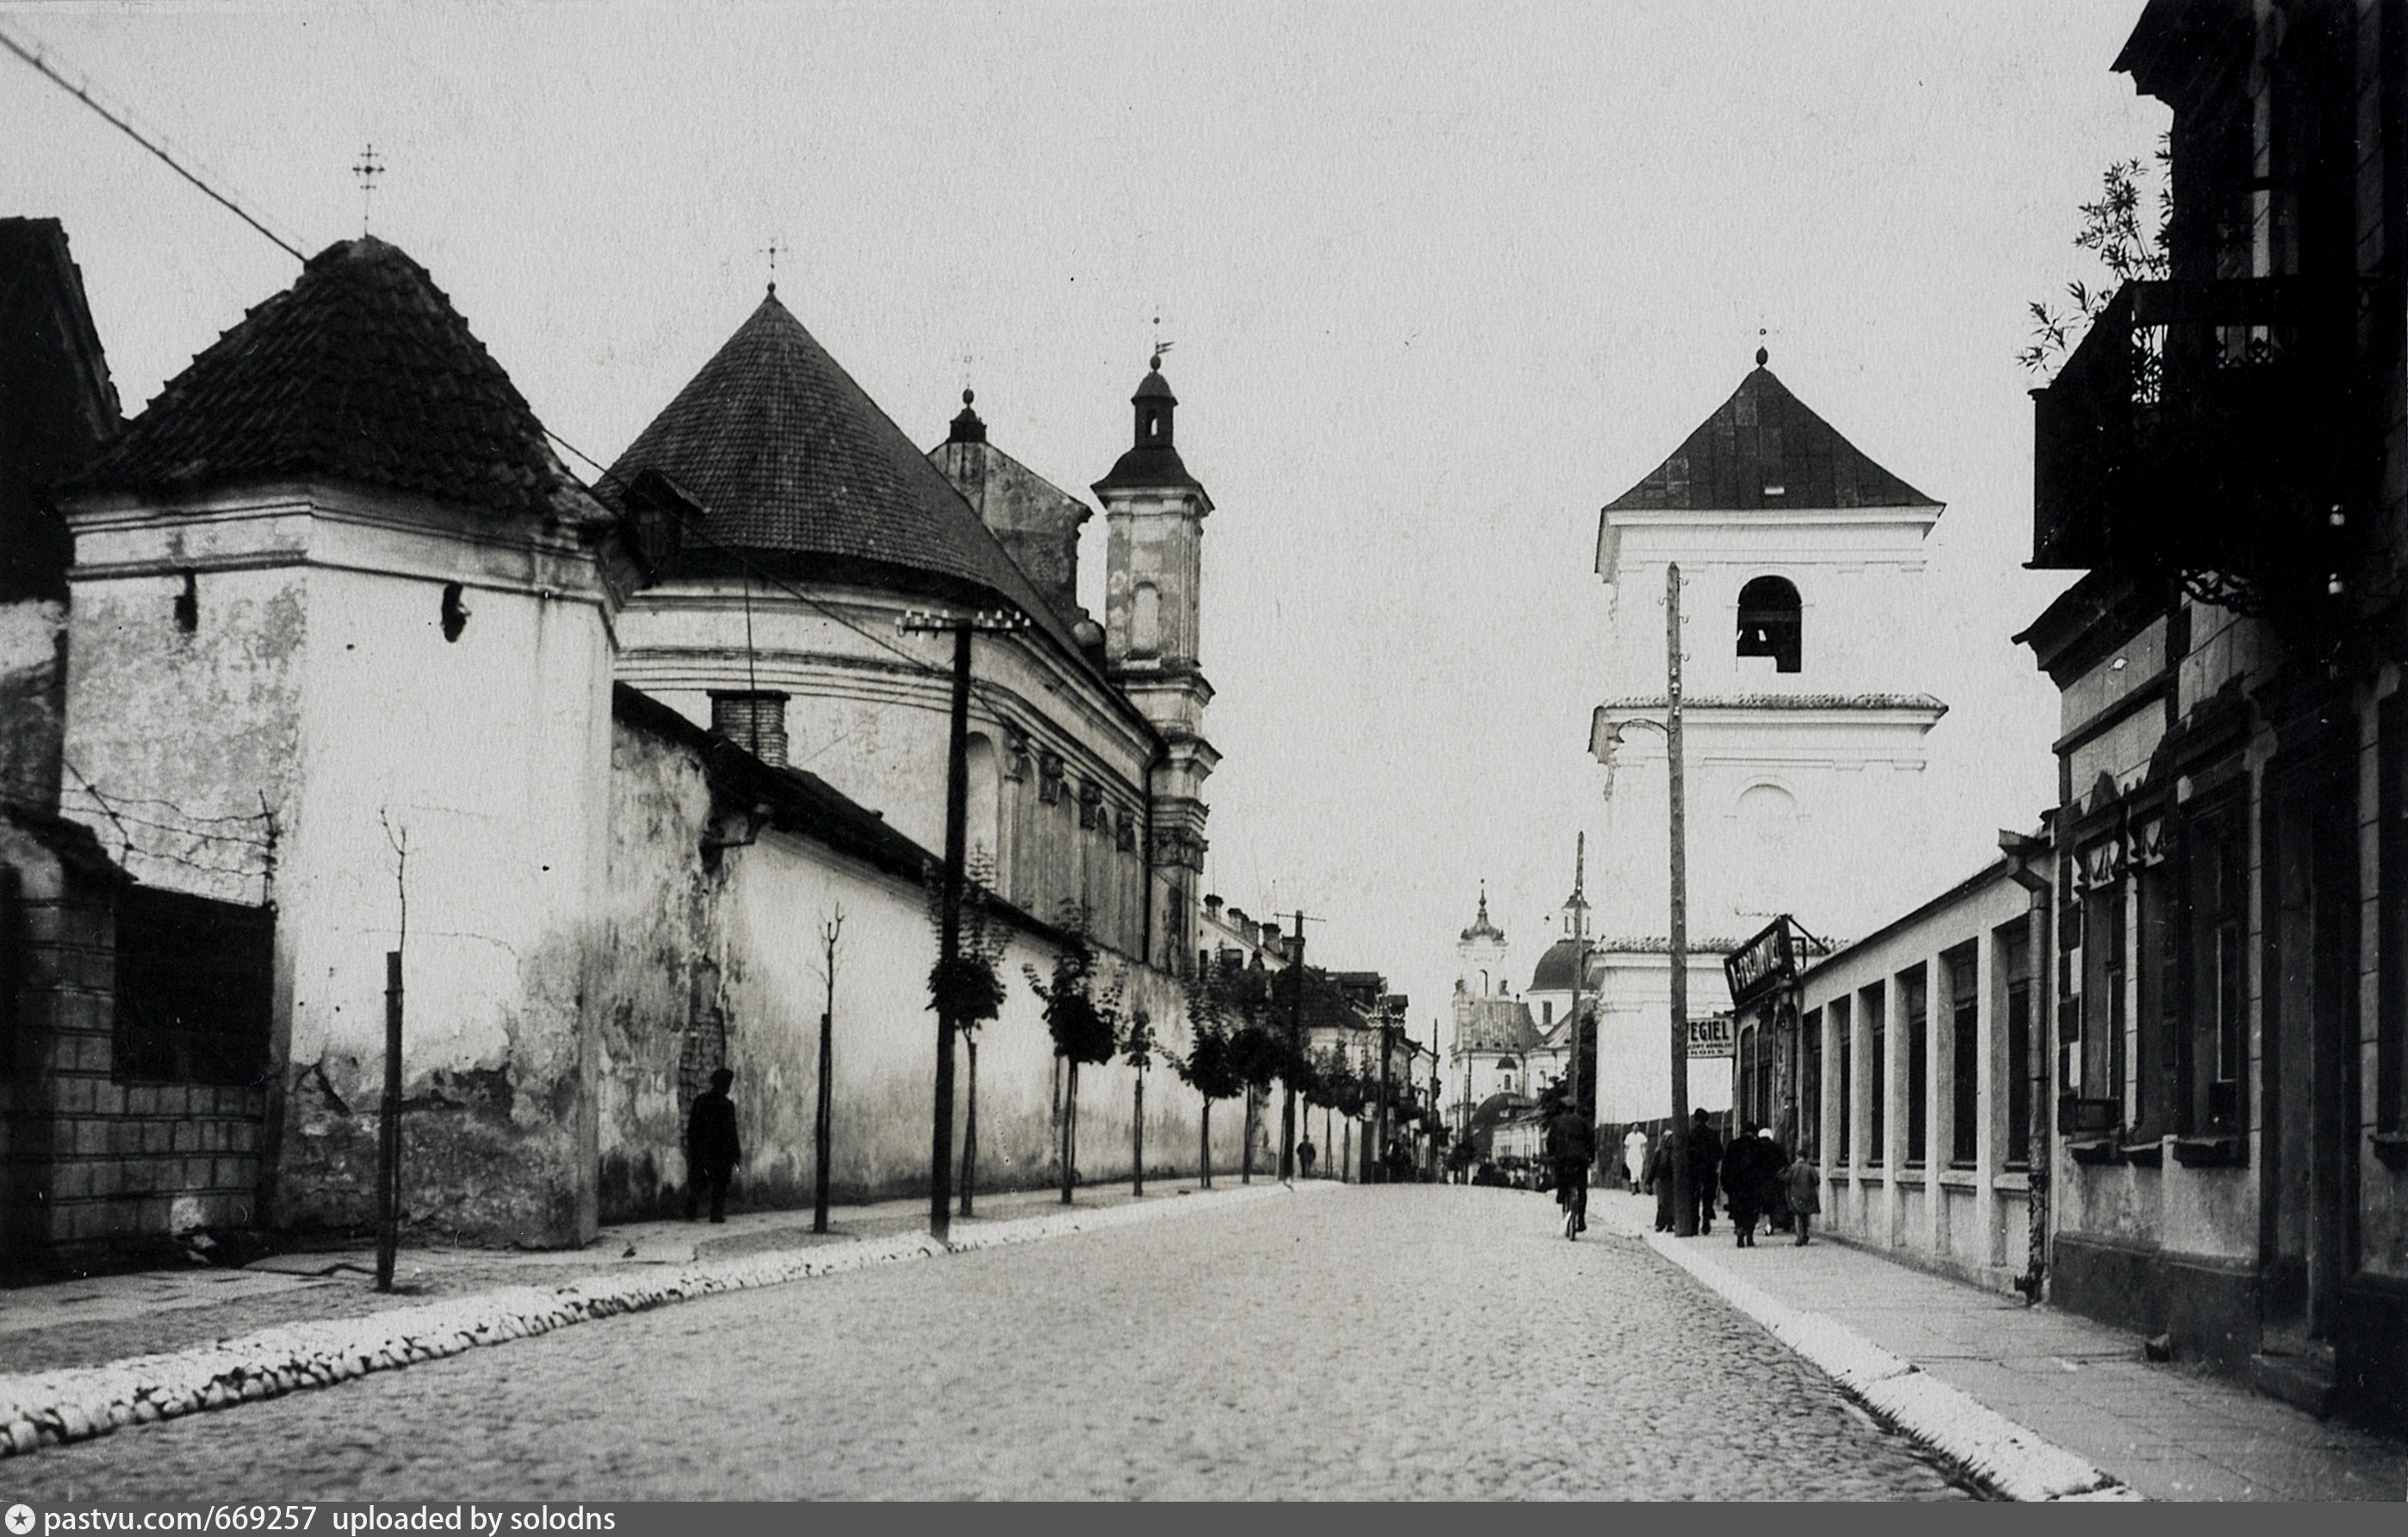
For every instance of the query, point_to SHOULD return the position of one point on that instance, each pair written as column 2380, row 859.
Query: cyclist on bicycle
column 1571, row 1143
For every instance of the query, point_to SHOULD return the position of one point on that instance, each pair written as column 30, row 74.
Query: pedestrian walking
column 1572, row 1141
column 1776, row 1194
column 711, row 1150
column 1705, row 1167
column 1305, row 1153
column 1659, row 1181
column 1634, row 1159
column 1747, row 1182
column 1802, row 1186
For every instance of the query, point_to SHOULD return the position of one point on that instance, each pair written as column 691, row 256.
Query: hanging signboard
column 1713, row 1037
column 1763, row 963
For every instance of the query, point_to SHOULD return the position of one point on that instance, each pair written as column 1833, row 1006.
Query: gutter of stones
column 76, row 1403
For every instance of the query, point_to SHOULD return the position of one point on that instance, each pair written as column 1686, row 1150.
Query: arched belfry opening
column 1769, row 622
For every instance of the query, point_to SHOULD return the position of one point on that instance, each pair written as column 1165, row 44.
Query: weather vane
column 1160, row 347
column 770, row 250
column 371, row 167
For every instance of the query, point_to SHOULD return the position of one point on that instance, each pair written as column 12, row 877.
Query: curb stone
column 76, row 1403
column 2008, row 1458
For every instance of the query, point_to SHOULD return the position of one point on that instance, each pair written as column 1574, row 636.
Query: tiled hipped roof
column 793, row 466
column 362, row 373
column 1762, row 438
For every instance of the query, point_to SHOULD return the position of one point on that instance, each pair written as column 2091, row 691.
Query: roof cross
column 771, row 250
column 371, row 167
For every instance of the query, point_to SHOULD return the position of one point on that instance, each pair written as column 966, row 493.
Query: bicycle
column 1571, row 1194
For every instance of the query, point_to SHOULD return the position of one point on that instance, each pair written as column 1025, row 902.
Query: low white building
column 1916, row 1080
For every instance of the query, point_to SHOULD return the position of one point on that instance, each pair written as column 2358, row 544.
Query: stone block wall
column 99, row 1172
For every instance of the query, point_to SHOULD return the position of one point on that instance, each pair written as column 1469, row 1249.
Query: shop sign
column 1764, row 963
column 1714, row 1038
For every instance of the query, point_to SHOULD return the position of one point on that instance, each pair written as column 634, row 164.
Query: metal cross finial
column 771, row 250
column 371, row 167
column 1160, row 347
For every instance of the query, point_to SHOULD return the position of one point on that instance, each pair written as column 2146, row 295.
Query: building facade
column 1918, row 1074
column 2224, row 458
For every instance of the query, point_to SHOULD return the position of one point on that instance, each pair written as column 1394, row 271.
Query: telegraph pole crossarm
column 961, row 627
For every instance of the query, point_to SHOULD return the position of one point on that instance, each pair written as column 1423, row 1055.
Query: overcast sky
column 1443, row 280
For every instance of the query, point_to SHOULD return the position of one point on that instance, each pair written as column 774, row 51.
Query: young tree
column 1207, row 1067
column 972, row 988
column 2129, row 250
column 1137, row 1048
column 1081, row 1011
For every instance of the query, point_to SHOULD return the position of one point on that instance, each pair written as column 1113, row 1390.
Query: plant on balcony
column 2129, row 251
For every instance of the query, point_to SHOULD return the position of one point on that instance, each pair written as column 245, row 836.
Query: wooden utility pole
column 949, row 942
column 389, row 1130
column 1580, row 961
column 1295, row 1053
column 1684, row 1200
column 820, row 1140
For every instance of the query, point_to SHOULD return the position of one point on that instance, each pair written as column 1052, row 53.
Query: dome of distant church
column 1556, row 968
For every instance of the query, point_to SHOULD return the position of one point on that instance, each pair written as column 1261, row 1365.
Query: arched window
column 1769, row 622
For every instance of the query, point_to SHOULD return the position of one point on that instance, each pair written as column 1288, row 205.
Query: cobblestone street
column 1418, row 1343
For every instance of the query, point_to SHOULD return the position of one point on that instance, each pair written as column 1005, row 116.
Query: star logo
column 20, row 1519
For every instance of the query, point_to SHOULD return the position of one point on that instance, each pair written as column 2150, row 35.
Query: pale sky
column 1441, row 280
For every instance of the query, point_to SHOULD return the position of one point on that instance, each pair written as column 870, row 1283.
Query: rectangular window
column 1964, row 1055
column 1876, row 1077
column 1843, row 1036
column 2391, row 854
column 2216, row 855
column 12, row 967
column 1809, row 1089
column 194, row 983
column 2015, row 965
column 2103, row 994
column 1916, row 989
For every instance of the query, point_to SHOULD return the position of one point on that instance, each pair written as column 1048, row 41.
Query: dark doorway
column 2310, row 1180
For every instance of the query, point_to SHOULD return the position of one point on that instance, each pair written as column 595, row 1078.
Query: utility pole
column 1684, row 1201
column 1579, row 963
column 820, row 1140
column 1295, row 1053
column 949, row 944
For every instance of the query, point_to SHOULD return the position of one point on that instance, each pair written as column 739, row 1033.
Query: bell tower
column 1154, row 558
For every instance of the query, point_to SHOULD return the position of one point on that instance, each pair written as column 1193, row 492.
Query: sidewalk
column 2166, row 1431
column 107, row 1318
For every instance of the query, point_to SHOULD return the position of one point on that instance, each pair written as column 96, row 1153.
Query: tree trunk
column 1246, row 1142
column 1204, row 1162
column 1070, row 1131
column 1137, row 1139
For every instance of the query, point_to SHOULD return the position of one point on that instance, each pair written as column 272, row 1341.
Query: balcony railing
column 2197, row 428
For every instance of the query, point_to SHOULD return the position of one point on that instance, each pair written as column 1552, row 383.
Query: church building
column 1805, row 721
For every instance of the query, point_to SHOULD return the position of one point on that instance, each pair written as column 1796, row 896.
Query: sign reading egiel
column 1713, row 1037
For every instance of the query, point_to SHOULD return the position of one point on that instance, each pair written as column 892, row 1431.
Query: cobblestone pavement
column 1428, row 1342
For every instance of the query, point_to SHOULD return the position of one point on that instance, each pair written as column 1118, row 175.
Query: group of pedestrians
column 1757, row 1178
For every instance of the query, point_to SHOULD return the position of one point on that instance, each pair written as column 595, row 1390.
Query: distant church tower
column 1154, row 559
column 1480, row 956
column 1802, row 658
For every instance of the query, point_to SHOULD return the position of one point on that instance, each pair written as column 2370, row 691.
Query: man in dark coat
column 712, row 1150
column 1743, row 1181
column 1571, row 1144
column 1705, row 1167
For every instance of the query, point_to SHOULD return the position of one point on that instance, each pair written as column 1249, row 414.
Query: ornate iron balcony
column 2201, row 432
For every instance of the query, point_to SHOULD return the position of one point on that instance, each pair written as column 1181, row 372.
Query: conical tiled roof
column 363, row 373
column 797, row 470
column 1762, row 438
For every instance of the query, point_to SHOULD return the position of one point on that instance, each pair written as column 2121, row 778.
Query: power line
column 35, row 58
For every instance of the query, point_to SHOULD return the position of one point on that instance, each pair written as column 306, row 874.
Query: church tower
column 1803, row 655
column 1153, row 569
column 1480, row 956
